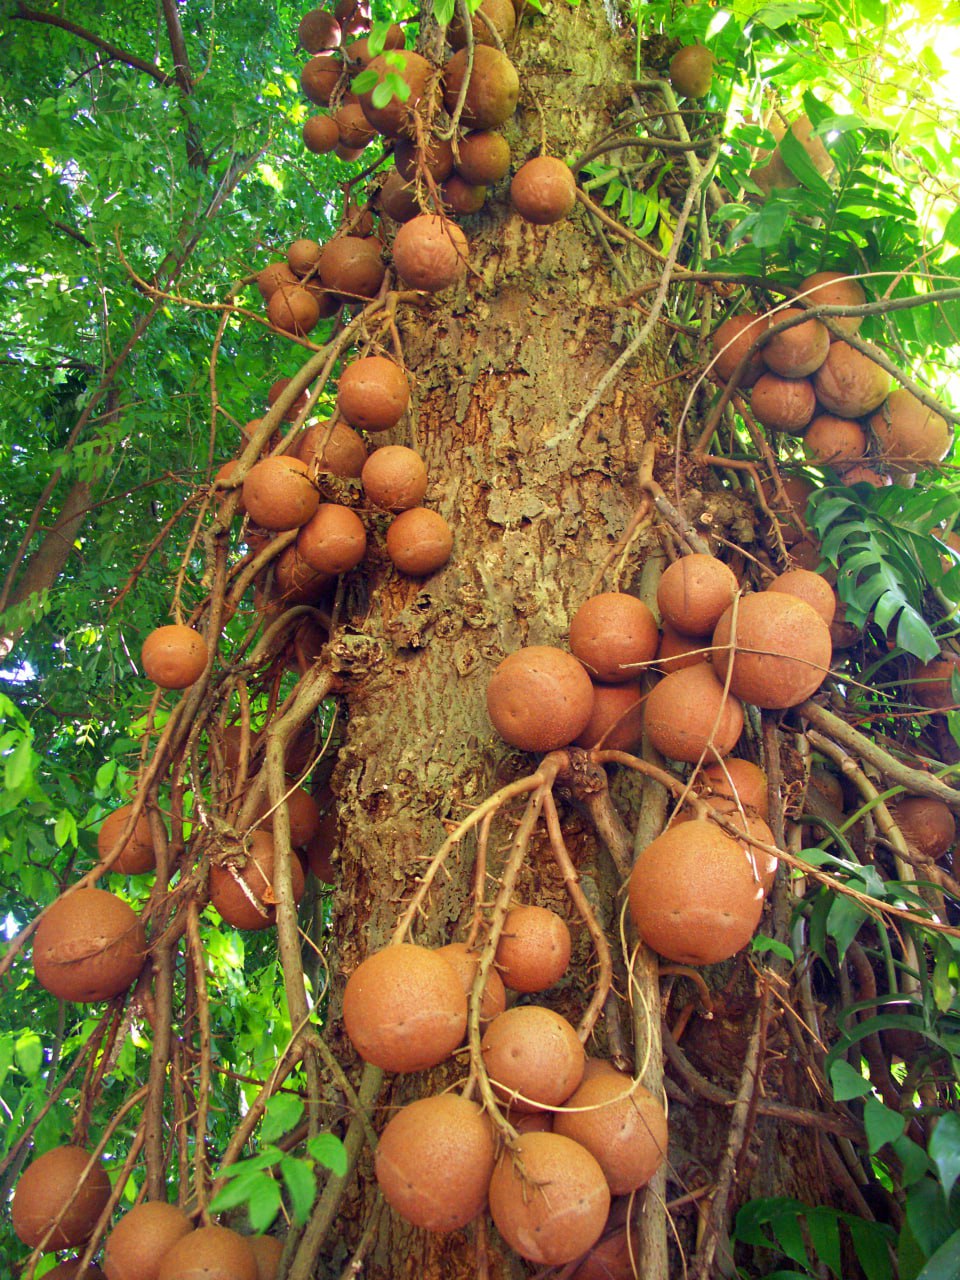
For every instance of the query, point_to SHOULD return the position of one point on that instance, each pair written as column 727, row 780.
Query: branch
column 120, row 55
column 178, row 46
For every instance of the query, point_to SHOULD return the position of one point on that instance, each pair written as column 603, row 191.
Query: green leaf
column 264, row 1205
column 241, row 1190
column 882, row 1124
column 945, row 1263
column 16, row 768
column 871, row 1242
column 847, row 1083
column 65, row 829
column 29, row 1053
column 329, row 1151
column 843, row 921
column 365, row 81
column 914, row 1161
column 105, row 775
column 926, row 1212
column 443, row 11
column 283, row 1112
column 824, row 1229
column 761, row 944
column 301, row 1184
column 945, row 1150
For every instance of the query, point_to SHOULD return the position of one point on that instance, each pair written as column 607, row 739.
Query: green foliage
column 801, row 1232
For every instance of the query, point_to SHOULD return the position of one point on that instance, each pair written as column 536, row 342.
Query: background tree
column 574, row 444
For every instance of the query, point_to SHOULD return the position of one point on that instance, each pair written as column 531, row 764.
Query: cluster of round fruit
column 806, row 382
column 588, row 1130
column 61, row 1195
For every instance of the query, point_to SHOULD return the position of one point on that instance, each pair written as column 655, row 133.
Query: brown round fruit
column 293, row 311
column 534, row 949
column 430, row 253
column 295, row 581
column 355, row 129
column 544, row 190
column 691, row 71
column 927, row 824
column 500, row 14
column 138, row 854
column 790, row 508
column 419, row 542
column 210, row 1253
column 611, row 1258
column 912, row 437
column 320, row 134
column 835, row 289
column 89, row 946
column 138, row 1243
column 731, row 342
column 342, row 451
column 783, row 650
column 70, row 1270
column 274, row 276
column 434, row 1161
column 302, row 257
column 533, row 1057
column 399, row 114
column 484, row 157
column 245, row 897
column 404, row 1008
column 694, row 591
column 688, row 717
column 677, row 651
column 622, row 1125
column 373, row 393
column 351, row 267
column 812, row 587
column 279, row 494
column 461, row 198
column 763, row 864
column 394, row 478
column 319, row 77
column 45, row 1187
column 930, row 683
column 613, row 634
column 276, row 391
column 783, row 404
column 739, row 780
column 694, row 896
column 799, row 350
column 303, row 816
column 466, row 963
column 318, row 31
column 267, row 1252
column 539, row 698
column 555, row 1209
column 398, row 199
column 436, row 158
column 493, row 90
column 616, row 721
column 834, row 441
column 334, row 540
column 174, row 657
column 849, row 384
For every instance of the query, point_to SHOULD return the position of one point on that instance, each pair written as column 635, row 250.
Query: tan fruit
column 621, row 1124
column 319, row 31
column 677, row 651
column 484, row 157
column 210, row 1253
column 688, row 717
column 70, row 1270
column 320, row 134
column 343, row 452
column 295, row 581
column 373, row 393
column 783, row 650
column 355, row 129
column 930, row 683
column 436, row 158
column 763, row 865
column 353, row 16
column 303, row 816
column 741, row 780
column 303, row 256
column 430, row 253
column 694, row 591
column 89, row 946
column 691, row 71
column 860, row 473
column 434, row 1162
column 791, row 508
column 394, row 478
column 293, row 311
column 466, row 963
column 613, row 634
column 500, row 14
column 783, row 404
column 44, row 1188
column 320, row 77
column 616, row 721
column 849, row 384
column 397, row 116
column 333, row 540
column 245, row 896
column 834, row 441
column 912, row 437
column 811, row 587
column 534, row 949
column 398, row 199
column 926, row 823
column 533, row 1057
column 279, row 494
column 834, row 289
column 347, row 154
column 461, row 198
column 612, row 1258
column 776, row 173
column 799, row 350
column 277, row 275
column 138, row 1243
column 694, row 895
column 358, row 54
column 539, row 698
column 731, row 342
column 550, row 1205
column 419, row 542
column 351, row 267
column 267, row 1252
column 493, row 90
column 174, row 656
column 404, row 1008
column 138, row 854
column 276, row 391
column 543, row 190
